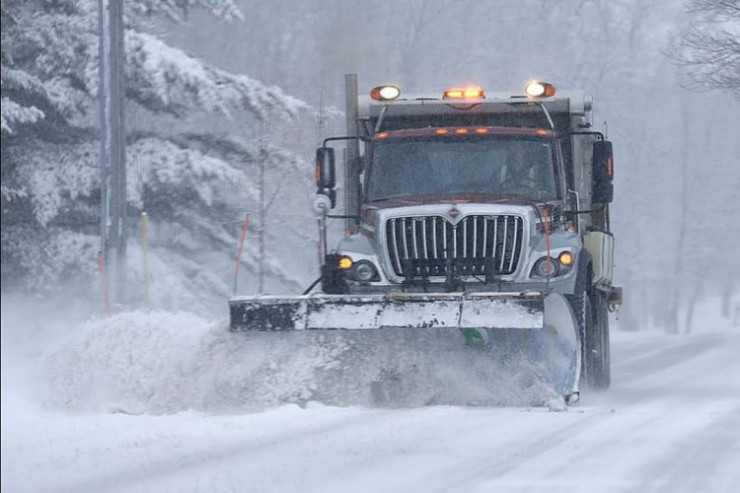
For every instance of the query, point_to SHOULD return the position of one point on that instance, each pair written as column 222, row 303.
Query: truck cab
column 463, row 190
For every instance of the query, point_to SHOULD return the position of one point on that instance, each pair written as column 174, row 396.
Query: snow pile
column 134, row 362
column 167, row 362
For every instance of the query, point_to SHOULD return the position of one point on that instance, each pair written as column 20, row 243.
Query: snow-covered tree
column 194, row 184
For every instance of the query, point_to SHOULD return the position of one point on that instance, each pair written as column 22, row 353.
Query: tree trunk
column 673, row 326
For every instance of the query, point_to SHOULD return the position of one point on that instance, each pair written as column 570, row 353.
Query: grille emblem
column 454, row 212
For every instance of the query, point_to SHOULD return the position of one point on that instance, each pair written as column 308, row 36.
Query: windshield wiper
column 392, row 197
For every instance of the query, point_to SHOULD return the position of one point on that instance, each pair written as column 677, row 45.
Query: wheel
column 581, row 306
column 599, row 357
column 591, row 313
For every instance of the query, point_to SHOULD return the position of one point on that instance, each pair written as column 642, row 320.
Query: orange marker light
column 461, row 131
column 441, row 131
column 345, row 263
column 481, row 130
column 566, row 258
column 474, row 92
column 382, row 135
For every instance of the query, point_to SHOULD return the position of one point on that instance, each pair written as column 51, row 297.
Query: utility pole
column 352, row 167
column 262, row 210
column 112, row 147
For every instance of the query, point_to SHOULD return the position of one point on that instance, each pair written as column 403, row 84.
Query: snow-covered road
column 671, row 422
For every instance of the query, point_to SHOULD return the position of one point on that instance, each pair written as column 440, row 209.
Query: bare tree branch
column 708, row 49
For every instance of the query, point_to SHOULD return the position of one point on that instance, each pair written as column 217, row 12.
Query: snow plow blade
column 537, row 325
column 353, row 312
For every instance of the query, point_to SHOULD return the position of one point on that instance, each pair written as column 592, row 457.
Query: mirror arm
column 351, row 137
column 583, row 132
column 590, row 211
column 380, row 118
column 345, row 216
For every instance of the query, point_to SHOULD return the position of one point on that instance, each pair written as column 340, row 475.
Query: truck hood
column 456, row 198
column 465, row 202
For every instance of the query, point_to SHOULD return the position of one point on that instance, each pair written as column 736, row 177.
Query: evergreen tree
column 195, row 185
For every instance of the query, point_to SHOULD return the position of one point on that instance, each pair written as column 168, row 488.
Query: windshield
column 492, row 165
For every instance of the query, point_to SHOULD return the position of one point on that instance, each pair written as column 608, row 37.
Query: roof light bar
column 385, row 93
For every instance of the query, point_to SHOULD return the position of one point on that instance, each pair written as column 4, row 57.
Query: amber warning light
column 537, row 89
column 385, row 93
column 468, row 93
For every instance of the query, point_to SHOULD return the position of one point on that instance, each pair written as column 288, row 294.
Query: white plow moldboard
column 352, row 312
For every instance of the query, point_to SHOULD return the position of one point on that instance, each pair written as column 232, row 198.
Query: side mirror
column 326, row 177
column 603, row 172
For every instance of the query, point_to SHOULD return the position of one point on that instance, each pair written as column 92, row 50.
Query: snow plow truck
column 483, row 214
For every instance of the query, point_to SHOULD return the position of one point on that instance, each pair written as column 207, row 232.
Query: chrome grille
column 426, row 243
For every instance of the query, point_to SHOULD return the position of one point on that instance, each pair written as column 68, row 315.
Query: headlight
column 558, row 266
column 364, row 271
column 541, row 267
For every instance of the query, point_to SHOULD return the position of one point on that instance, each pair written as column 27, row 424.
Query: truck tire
column 600, row 356
column 581, row 306
column 590, row 311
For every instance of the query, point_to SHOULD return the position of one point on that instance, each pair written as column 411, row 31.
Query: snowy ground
column 154, row 402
